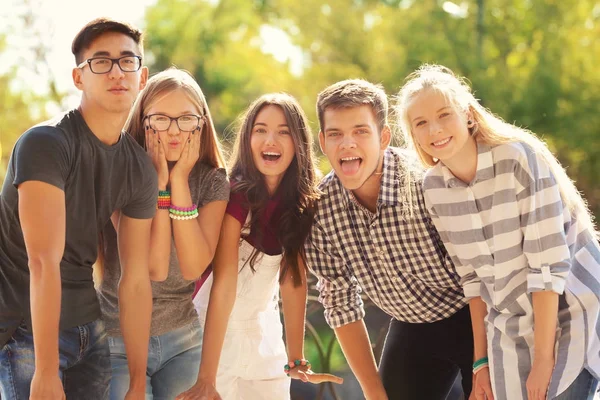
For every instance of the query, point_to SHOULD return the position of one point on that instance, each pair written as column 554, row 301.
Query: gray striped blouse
column 509, row 235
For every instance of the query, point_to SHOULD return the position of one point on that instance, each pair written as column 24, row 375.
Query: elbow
column 159, row 270
column 159, row 275
column 39, row 265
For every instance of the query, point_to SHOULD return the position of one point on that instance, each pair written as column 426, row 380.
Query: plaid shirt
column 395, row 256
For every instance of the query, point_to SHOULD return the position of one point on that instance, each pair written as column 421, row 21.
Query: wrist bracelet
column 480, row 364
column 296, row 363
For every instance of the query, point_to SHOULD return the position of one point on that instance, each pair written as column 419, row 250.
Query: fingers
column 320, row 378
column 488, row 391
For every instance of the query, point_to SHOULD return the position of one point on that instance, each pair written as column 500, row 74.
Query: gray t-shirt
column 96, row 179
column 172, row 305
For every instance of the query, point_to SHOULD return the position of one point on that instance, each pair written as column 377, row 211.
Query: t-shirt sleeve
column 42, row 154
column 237, row 207
column 215, row 187
column 144, row 200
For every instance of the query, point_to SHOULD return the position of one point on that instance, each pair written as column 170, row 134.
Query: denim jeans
column 583, row 388
column 173, row 363
column 84, row 363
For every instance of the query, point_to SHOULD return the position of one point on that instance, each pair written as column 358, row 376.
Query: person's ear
column 77, row 78
column 322, row 141
column 385, row 137
column 144, row 77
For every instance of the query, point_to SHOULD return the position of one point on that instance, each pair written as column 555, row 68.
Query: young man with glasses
column 65, row 179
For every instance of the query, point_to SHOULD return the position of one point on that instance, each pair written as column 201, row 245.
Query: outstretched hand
column 305, row 374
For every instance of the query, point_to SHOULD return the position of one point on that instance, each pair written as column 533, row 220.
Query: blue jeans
column 84, row 363
column 173, row 363
column 583, row 388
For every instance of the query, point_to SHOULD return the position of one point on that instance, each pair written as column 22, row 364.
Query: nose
column 434, row 128
column 115, row 71
column 173, row 128
column 270, row 138
column 348, row 142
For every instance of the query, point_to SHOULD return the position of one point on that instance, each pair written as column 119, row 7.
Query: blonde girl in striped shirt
column 521, row 238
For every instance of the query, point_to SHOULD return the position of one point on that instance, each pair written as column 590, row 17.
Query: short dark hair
column 354, row 93
column 99, row 26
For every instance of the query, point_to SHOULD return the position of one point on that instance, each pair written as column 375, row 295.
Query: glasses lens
column 100, row 65
column 187, row 122
column 129, row 64
column 159, row 122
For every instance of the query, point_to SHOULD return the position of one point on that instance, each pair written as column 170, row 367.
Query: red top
column 237, row 208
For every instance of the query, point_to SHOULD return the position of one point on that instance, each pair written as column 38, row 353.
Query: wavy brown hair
column 297, row 189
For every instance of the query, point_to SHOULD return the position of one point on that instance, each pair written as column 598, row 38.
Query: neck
column 464, row 164
column 106, row 126
column 272, row 184
column 368, row 193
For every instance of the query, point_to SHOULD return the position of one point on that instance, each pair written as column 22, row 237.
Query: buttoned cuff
column 542, row 279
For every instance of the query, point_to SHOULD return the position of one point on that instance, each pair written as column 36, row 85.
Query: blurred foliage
column 534, row 63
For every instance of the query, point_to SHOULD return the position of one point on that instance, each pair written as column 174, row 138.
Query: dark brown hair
column 99, row 26
column 297, row 189
column 354, row 93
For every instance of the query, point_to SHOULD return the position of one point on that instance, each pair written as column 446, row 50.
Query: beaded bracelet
column 183, row 217
column 296, row 363
column 164, row 200
column 184, row 209
column 177, row 212
column 480, row 364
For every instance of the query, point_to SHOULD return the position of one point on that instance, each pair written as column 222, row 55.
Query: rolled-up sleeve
column 542, row 221
column 339, row 291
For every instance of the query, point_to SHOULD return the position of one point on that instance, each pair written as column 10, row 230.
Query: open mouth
column 350, row 165
column 270, row 155
column 441, row 143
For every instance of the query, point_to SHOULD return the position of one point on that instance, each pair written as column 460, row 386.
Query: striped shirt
column 509, row 234
column 398, row 259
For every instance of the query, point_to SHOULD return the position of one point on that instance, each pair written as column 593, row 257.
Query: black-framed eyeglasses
column 103, row 65
column 185, row 123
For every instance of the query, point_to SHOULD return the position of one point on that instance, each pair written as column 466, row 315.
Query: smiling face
column 115, row 91
column 352, row 144
column 272, row 145
column 174, row 105
column 439, row 128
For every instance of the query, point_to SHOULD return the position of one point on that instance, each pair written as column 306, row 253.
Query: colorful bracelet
column 184, row 209
column 164, row 200
column 480, row 364
column 296, row 363
column 177, row 212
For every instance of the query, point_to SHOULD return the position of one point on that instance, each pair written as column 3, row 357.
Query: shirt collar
column 485, row 168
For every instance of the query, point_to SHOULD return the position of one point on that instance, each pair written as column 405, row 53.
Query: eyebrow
column 103, row 53
column 263, row 124
column 354, row 127
column 414, row 119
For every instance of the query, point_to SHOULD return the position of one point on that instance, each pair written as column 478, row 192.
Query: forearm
column 294, row 315
column 45, row 298
column 222, row 299
column 135, row 313
column 160, row 246
column 193, row 250
column 545, row 315
column 478, row 311
column 355, row 343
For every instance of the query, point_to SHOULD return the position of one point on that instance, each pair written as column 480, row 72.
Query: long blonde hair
column 162, row 84
column 488, row 128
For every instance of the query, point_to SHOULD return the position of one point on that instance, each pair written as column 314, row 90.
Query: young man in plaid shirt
column 373, row 234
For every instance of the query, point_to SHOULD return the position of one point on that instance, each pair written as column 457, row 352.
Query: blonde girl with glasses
column 171, row 120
